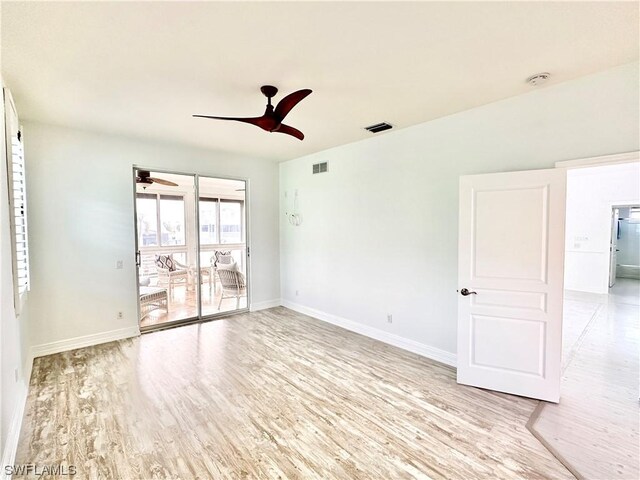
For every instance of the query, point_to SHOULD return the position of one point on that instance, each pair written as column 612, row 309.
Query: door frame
column 627, row 157
column 615, row 216
column 605, row 160
column 613, row 205
column 199, row 317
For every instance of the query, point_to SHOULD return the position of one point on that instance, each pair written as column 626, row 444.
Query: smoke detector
column 538, row 79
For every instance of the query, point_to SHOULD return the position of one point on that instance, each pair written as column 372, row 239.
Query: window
column 221, row 221
column 208, row 221
column 230, row 221
column 172, row 220
column 166, row 211
column 147, row 219
column 17, row 200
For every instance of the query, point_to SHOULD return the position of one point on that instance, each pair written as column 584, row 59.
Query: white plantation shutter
column 19, row 215
column 17, row 199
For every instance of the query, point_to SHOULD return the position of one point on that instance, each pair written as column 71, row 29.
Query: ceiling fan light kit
column 271, row 120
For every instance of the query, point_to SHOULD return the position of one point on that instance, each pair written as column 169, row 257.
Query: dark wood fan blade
column 162, row 181
column 266, row 123
column 290, row 131
column 287, row 103
column 236, row 119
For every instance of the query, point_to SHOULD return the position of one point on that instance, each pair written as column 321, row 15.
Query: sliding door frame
column 247, row 254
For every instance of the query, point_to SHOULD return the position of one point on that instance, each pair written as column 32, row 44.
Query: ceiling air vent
column 319, row 167
column 378, row 127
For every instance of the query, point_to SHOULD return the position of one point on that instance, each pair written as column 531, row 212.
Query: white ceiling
column 141, row 69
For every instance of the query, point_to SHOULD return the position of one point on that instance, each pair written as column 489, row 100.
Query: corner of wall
column 13, row 435
column 256, row 306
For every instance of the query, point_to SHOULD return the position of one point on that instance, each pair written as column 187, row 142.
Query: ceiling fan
column 272, row 119
column 144, row 177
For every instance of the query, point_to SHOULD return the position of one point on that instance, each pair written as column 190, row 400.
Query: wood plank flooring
column 594, row 428
column 271, row 394
column 184, row 304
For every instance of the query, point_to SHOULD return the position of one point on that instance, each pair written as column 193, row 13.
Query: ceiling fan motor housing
column 269, row 91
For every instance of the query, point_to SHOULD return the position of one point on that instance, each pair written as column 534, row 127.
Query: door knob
column 464, row 292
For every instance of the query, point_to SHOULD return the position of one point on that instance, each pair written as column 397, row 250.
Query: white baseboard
column 86, row 341
column 13, row 435
column 427, row 351
column 628, row 271
column 255, row 306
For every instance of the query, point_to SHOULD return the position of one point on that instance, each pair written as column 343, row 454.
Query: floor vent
column 319, row 167
column 379, row 127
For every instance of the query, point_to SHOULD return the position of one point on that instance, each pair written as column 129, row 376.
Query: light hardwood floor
column 594, row 428
column 272, row 394
column 184, row 304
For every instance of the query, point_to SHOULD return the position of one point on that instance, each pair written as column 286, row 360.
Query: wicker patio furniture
column 233, row 283
column 152, row 298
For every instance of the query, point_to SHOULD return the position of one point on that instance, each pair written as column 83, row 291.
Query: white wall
column 591, row 192
column 81, row 223
column 379, row 232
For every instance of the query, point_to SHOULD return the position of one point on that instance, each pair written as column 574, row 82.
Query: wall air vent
column 379, row 127
column 319, row 167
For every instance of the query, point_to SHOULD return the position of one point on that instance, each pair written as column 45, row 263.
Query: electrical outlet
column 120, row 315
column 389, row 318
column 119, row 264
column 297, row 293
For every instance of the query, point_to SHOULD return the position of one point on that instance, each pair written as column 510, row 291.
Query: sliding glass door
column 223, row 245
column 191, row 241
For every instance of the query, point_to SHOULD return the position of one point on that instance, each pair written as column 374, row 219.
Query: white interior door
column 613, row 246
column 510, row 275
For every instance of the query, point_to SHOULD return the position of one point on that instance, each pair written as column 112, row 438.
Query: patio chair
column 220, row 257
column 171, row 272
column 233, row 283
column 209, row 274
